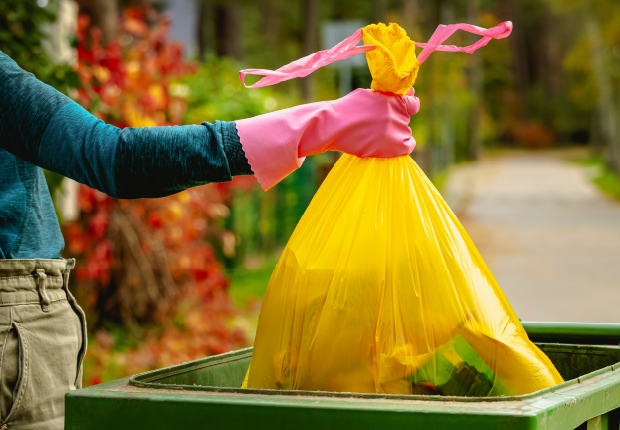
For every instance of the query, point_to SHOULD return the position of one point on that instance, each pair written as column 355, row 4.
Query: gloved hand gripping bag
column 381, row 290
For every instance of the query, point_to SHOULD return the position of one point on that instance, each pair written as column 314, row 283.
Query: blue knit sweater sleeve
column 42, row 126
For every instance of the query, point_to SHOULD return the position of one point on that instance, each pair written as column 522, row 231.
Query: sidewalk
column 551, row 238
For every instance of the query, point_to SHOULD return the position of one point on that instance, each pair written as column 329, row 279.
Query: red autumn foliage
column 147, row 264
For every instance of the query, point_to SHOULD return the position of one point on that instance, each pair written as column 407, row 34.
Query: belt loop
column 65, row 279
column 41, row 280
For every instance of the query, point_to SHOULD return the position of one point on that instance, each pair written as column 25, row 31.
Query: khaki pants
column 42, row 343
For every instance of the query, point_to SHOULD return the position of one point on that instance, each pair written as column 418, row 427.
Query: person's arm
column 40, row 125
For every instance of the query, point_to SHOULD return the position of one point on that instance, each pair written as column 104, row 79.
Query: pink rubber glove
column 363, row 123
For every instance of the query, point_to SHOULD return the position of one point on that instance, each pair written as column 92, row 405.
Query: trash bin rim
column 144, row 380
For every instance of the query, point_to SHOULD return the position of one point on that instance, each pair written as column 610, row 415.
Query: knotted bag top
column 389, row 51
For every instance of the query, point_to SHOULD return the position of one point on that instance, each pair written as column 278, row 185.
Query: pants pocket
column 13, row 370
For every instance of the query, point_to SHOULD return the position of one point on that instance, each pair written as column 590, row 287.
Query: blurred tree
column 476, row 79
column 126, row 85
column 220, row 28
column 147, row 264
column 228, row 21
column 205, row 30
column 379, row 7
column 310, row 44
column 273, row 21
column 104, row 15
column 432, row 83
column 590, row 55
column 106, row 18
column 607, row 107
column 410, row 17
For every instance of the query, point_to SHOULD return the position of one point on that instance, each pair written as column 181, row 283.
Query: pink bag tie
column 442, row 32
column 308, row 64
column 345, row 49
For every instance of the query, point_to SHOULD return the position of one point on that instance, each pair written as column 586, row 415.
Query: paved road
column 551, row 238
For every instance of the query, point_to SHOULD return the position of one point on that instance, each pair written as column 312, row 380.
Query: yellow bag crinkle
column 393, row 64
column 378, row 275
column 381, row 290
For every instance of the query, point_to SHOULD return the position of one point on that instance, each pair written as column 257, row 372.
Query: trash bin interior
column 226, row 372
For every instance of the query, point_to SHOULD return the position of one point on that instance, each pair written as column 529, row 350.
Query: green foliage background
column 22, row 36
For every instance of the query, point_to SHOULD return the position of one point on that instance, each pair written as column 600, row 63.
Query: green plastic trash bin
column 204, row 394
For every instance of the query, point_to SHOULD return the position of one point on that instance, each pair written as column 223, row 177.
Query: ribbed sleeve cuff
column 237, row 161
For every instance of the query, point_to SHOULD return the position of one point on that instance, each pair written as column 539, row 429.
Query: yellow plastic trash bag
column 381, row 290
